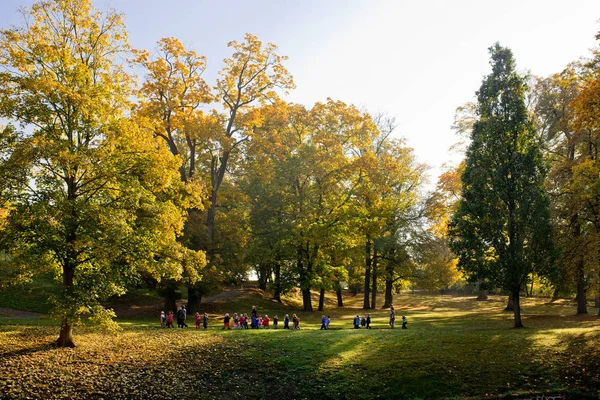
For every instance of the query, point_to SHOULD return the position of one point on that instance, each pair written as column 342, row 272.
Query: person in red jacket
column 265, row 321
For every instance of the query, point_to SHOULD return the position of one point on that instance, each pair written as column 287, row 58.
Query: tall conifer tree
column 501, row 230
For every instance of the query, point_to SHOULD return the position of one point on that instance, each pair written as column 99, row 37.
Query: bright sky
column 416, row 60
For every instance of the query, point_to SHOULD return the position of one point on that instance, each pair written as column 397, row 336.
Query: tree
column 171, row 97
column 252, row 75
column 90, row 197
column 437, row 263
column 170, row 100
column 385, row 202
column 323, row 173
column 586, row 175
column 565, row 145
column 501, row 229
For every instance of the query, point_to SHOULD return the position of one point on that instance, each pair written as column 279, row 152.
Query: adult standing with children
column 184, row 313
column 392, row 316
column 180, row 317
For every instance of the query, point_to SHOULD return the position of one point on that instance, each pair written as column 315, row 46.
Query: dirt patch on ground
column 10, row 313
column 232, row 293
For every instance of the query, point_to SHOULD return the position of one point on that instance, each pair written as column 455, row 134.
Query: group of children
column 365, row 322
column 239, row 321
column 166, row 320
column 260, row 322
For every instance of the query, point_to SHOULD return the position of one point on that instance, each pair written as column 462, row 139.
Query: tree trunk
column 338, row 292
column 304, row 273
column 263, row 275
column 210, row 219
column 556, row 293
column 306, row 301
column 374, row 278
column 530, row 294
column 597, row 297
column 510, row 306
column 598, row 277
column 171, row 302
column 389, row 296
column 517, row 309
column 277, row 285
column 65, row 338
column 194, row 300
column 581, row 292
column 580, row 269
column 483, row 293
column 389, row 285
column 322, row 299
column 368, row 259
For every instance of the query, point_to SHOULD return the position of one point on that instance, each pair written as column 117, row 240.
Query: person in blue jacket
column 323, row 322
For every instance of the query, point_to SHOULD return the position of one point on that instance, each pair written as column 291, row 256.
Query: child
column 368, row 322
column 245, row 321
column 163, row 319
column 286, row 322
column 404, row 322
column 198, row 318
column 205, row 321
column 170, row 320
column 226, row 321
column 265, row 322
column 243, row 324
column 296, row 321
column 328, row 321
column 363, row 321
column 357, row 322
column 275, row 322
column 260, row 322
column 323, row 322
column 236, row 321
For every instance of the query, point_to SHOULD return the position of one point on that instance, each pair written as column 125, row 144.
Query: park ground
column 455, row 348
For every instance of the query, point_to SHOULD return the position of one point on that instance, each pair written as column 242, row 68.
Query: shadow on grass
column 444, row 354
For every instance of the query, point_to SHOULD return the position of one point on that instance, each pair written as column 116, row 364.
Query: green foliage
column 90, row 198
column 501, row 229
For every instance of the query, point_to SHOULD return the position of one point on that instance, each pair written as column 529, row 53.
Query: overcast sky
column 416, row 60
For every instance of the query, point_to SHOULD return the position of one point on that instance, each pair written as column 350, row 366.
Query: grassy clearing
column 454, row 348
column 31, row 297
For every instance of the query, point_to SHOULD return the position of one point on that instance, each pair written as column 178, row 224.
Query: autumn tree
column 171, row 98
column 586, row 175
column 564, row 146
column 270, row 249
column 385, row 200
column 251, row 76
column 501, row 229
column 323, row 177
column 90, row 197
column 437, row 263
column 302, row 185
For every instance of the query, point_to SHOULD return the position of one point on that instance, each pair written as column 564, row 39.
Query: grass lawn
column 455, row 348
